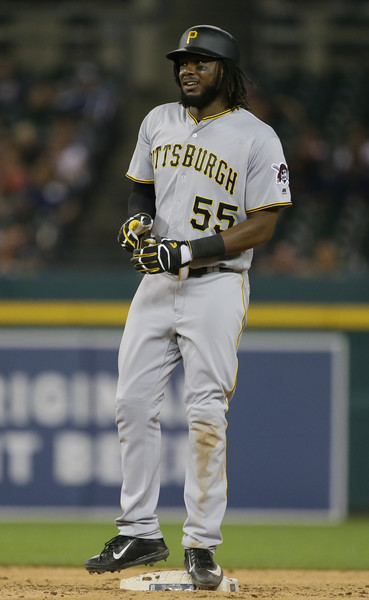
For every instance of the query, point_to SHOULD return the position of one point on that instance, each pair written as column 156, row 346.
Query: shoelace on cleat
column 202, row 557
column 110, row 544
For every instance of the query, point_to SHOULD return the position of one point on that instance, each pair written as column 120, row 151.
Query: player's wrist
column 207, row 247
column 186, row 254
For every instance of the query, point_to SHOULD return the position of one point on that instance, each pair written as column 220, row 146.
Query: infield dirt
column 40, row 583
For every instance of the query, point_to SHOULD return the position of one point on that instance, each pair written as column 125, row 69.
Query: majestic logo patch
column 282, row 173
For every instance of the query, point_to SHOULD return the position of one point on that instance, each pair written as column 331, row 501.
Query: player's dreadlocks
column 233, row 85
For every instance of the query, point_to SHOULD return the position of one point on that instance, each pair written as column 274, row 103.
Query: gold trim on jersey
column 216, row 116
column 275, row 205
column 139, row 180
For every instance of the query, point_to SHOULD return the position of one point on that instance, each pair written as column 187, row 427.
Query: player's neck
column 214, row 108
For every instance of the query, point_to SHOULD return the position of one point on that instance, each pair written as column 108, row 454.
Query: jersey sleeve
column 267, row 178
column 140, row 168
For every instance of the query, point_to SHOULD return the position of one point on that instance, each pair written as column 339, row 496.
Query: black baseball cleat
column 122, row 552
column 204, row 571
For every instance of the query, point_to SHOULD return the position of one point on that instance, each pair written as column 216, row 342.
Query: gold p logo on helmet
column 191, row 35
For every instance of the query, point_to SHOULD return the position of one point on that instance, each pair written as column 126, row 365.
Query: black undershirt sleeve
column 142, row 199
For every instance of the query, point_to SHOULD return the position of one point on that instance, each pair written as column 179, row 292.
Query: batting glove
column 132, row 230
column 167, row 255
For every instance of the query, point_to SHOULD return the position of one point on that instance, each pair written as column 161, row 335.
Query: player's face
column 198, row 76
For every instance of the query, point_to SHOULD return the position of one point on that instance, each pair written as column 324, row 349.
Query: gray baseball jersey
column 209, row 175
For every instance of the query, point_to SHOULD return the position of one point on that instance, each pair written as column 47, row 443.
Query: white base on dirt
column 172, row 580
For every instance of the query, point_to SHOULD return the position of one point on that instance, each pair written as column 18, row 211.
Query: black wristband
column 207, row 247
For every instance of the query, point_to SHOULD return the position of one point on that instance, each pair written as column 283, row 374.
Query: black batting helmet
column 207, row 40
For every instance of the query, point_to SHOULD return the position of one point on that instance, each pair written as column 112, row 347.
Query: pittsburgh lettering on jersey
column 200, row 159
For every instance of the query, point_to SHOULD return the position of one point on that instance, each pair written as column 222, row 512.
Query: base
column 172, row 580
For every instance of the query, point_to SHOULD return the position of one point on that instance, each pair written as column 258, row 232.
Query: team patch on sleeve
column 282, row 176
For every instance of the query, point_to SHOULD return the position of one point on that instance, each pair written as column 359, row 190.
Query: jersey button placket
column 177, row 216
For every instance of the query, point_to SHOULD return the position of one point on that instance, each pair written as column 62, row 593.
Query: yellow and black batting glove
column 132, row 231
column 165, row 255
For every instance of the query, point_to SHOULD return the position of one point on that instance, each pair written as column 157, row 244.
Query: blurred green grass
column 331, row 546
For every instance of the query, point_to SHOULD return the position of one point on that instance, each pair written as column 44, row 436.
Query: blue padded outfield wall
column 287, row 434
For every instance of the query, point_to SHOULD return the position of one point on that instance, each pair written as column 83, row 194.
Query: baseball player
column 209, row 179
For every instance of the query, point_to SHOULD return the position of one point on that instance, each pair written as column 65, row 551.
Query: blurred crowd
column 324, row 125
column 55, row 133
column 56, row 136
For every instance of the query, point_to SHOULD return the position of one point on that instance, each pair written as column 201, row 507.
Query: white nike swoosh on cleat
column 120, row 554
column 217, row 571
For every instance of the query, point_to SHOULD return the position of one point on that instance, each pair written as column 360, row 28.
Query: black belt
column 204, row 270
